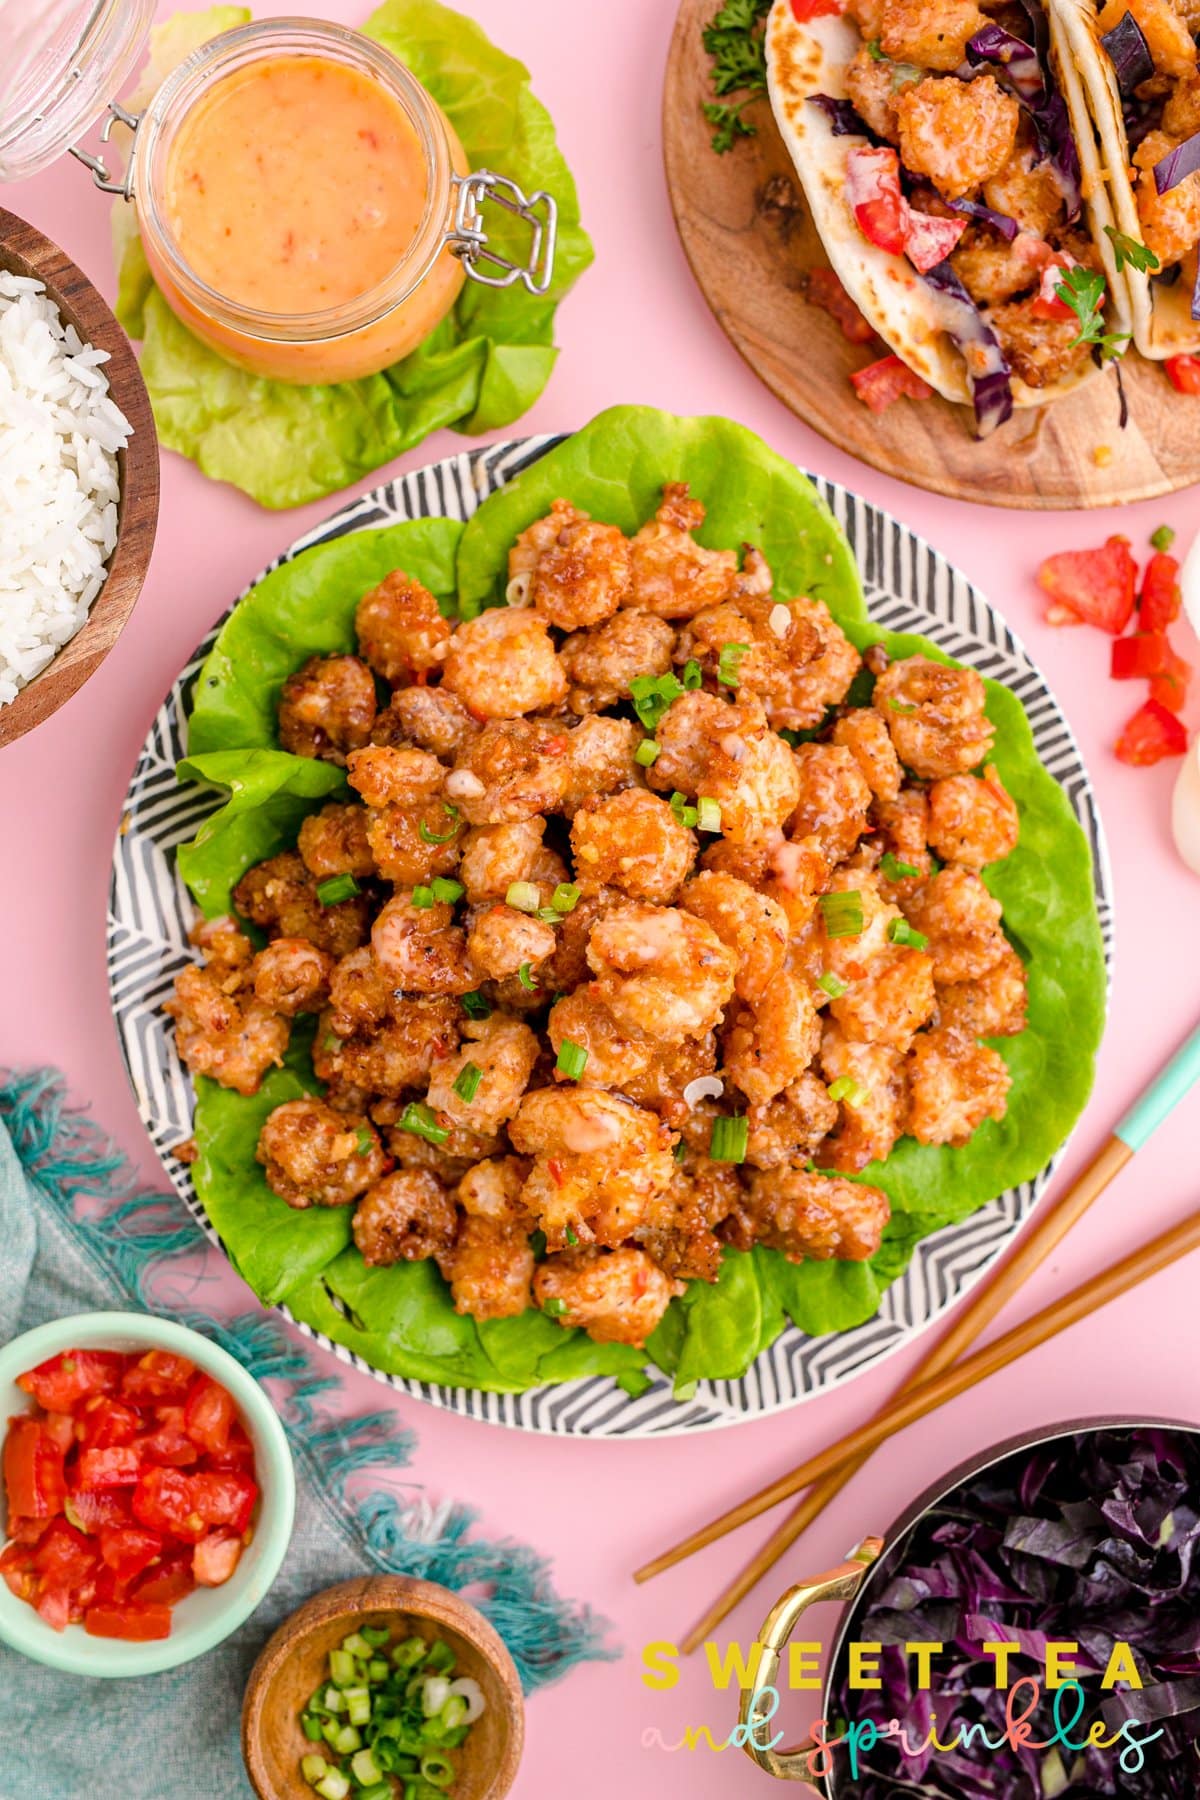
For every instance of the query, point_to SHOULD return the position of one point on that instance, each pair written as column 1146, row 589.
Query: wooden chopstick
column 1153, row 1105
column 915, row 1404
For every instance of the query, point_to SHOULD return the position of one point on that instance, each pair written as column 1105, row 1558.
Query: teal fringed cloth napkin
column 75, row 1238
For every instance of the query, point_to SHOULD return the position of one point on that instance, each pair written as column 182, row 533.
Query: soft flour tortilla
column 910, row 316
column 1162, row 316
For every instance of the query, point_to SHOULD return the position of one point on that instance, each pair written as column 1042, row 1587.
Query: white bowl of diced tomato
column 148, row 1494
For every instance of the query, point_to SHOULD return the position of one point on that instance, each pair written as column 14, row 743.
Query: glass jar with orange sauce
column 305, row 205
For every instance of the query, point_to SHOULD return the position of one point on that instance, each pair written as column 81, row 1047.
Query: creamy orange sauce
column 296, row 185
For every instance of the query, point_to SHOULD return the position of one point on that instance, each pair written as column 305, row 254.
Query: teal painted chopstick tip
column 1164, row 1093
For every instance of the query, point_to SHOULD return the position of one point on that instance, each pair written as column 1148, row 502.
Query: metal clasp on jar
column 468, row 238
column 101, row 174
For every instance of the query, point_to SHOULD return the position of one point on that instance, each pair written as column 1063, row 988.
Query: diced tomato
column 165, row 1500
column 224, row 1498
column 159, row 1375
column 103, row 1422
column 1161, row 597
column 825, row 290
column 1152, row 734
column 886, row 380
column 215, row 1558
column 168, row 1443
column 1046, row 303
column 238, row 1452
column 134, row 1622
column 20, row 1582
column 1143, row 656
column 804, row 10
column 929, row 240
column 60, row 1428
column 115, row 1467
column 1184, row 373
column 34, row 1482
column 53, row 1603
column 875, row 197
column 64, row 1555
column 27, row 1532
column 60, row 1382
column 168, row 1580
column 1170, row 688
column 103, row 1506
column 129, row 1549
column 1096, row 585
column 208, row 1414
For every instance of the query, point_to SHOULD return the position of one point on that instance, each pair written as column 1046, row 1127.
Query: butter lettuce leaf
column 483, row 367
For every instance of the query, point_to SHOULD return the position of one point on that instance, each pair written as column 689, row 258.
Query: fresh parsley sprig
column 1083, row 290
column 1128, row 250
column 733, row 38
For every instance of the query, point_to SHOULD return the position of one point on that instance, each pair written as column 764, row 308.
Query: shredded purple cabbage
column 1092, row 1539
column 987, row 215
column 843, row 117
column 988, row 373
column 1027, row 70
column 1129, row 54
column 1018, row 60
column 1196, row 296
column 1178, row 164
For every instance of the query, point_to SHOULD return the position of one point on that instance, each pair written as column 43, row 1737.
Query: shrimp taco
column 953, row 174
column 1139, row 63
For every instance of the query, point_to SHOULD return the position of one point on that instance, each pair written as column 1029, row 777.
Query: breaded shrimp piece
column 750, row 923
column 631, row 841
column 864, row 734
column 872, row 83
column 673, row 575
column 429, row 718
column 973, row 821
column 489, row 1269
column 334, row 842
column 573, row 570
column 811, row 1218
column 932, row 37
column 661, row 971
column 962, row 922
column 396, row 1055
column 419, row 949
column 502, row 941
column 314, row 1156
column 568, row 968
column 601, row 663
column 904, row 831
column 615, row 1056
column 729, row 754
column 1171, row 221
column 599, row 760
column 769, row 1045
column 413, row 832
column 935, row 715
column 406, row 1217
column 1040, row 351
column 504, row 1052
column 280, row 896
column 797, row 872
column 671, row 1070
column 873, row 1114
column 327, row 708
column 954, row 1085
column 292, row 976
column 793, row 657
column 400, row 630
column 835, row 799
column 504, row 664
column 702, row 1196
column 511, row 770
column 223, row 944
column 616, row 1296
column 386, row 776
column 232, row 1037
column 892, row 1000
column 360, row 994
column 958, row 133
column 991, row 1006
column 494, row 856
column 492, row 1190
column 600, row 1163
column 1026, row 190
column 849, row 956
column 791, row 1124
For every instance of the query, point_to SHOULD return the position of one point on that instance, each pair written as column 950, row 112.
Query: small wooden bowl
column 296, row 1660
column 24, row 251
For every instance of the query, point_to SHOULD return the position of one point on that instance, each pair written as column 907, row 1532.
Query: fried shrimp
column 292, row 976
column 600, row 1164
column 327, row 708
column 573, row 571
column 962, row 922
column 811, row 1218
column 616, row 1296
column 673, row 575
column 631, row 841
column 280, row 897
column 489, row 1268
column 793, row 657
column 935, row 715
column 958, row 133
column 955, row 1085
column 313, row 1156
column 661, row 971
column 481, row 1086
column 400, row 631
column 727, row 753
column 602, row 662
column 972, row 821
column 418, row 948
column 748, row 922
column 769, row 1044
column 503, row 664
column 426, row 718
column 334, row 842
column 406, row 1217
column 223, row 1031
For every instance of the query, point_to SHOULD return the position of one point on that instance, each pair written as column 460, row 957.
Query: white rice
column 59, row 435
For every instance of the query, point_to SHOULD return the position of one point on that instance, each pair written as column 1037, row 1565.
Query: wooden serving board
column 747, row 234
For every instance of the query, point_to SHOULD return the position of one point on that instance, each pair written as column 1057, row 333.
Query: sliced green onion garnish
column 333, row 1700
column 364, row 1768
column 901, row 932
column 548, row 916
column 842, row 913
column 337, row 888
column 708, row 813
column 572, row 1236
column 1163, row 538
column 466, row 1082
column 729, row 1140
column 522, row 896
column 554, row 1307
column 422, row 1122
column 447, row 891
column 431, row 837
column 729, row 662
column 409, row 1652
column 364, row 1137
column 683, row 813
column 375, row 1635
column 358, row 1705
column 422, row 898
column 314, row 1769
column 377, row 1669
column 652, row 695
column 901, row 707
column 572, row 1059
column 693, row 675
column 476, row 1006
column 441, row 1656
column 436, row 1769
column 647, row 752
column 565, row 897
column 895, row 870
column 831, row 984
column 334, row 1786
column 341, row 1668
column 311, row 1727
column 680, row 1151
column 791, row 738
column 357, row 1645
column 846, row 1088
column 349, row 1738
column 526, row 977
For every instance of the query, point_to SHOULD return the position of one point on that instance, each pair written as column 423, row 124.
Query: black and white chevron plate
column 909, row 587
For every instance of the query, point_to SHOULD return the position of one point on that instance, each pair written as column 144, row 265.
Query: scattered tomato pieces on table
column 886, row 380
column 129, row 1482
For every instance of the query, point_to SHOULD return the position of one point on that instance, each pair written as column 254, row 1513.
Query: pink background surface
column 637, row 329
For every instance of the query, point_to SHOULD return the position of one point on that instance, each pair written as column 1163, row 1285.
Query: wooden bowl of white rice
column 78, row 478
